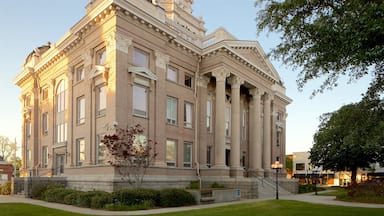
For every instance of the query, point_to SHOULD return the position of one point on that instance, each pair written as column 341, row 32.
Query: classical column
column 255, row 147
column 202, row 82
column 221, row 76
column 236, row 169
column 267, row 133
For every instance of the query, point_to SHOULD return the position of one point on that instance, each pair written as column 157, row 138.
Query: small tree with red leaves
column 130, row 153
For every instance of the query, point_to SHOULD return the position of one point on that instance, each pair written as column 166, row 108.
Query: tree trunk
column 353, row 176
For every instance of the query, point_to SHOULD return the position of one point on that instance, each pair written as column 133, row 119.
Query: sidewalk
column 310, row 197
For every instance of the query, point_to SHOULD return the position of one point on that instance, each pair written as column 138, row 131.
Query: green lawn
column 262, row 208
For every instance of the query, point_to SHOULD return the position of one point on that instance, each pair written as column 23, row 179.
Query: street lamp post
column 277, row 166
column 315, row 172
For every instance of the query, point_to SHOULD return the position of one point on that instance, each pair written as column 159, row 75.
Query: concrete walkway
column 310, row 197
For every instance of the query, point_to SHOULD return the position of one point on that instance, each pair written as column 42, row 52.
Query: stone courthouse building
column 214, row 104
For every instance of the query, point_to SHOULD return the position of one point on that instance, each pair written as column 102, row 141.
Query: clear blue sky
column 27, row 24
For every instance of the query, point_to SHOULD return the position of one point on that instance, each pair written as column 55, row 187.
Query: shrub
column 57, row 194
column 175, row 197
column 217, row 185
column 100, row 200
column 193, row 185
column 147, row 204
column 72, row 198
column 135, row 196
column 38, row 189
column 6, row 188
column 85, row 199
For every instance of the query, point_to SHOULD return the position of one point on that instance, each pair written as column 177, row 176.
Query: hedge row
column 125, row 199
column 5, row 189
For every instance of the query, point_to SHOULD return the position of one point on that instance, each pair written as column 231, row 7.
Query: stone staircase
column 267, row 188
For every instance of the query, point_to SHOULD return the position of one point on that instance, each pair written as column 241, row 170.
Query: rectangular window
column 44, row 154
column 100, row 56
column 141, row 58
column 101, row 100
column 101, row 150
column 209, row 152
column 80, row 115
column 300, row 166
column 44, row 93
column 228, row 121
column 188, row 80
column 171, row 153
column 188, row 115
column 187, row 154
column 140, row 100
column 80, row 150
column 244, row 123
column 61, row 132
column 44, row 123
column 278, row 137
column 171, row 110
column 209, row 115
column 27, row 101
column 172, row 74
column 80, row 73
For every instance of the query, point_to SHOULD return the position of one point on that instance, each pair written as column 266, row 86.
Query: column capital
column 118, row 41
column 235, row 81
column 254, row 92
column 221, row 74
column 202, row 81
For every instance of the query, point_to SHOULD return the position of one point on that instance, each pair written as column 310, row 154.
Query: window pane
column 45, row 157
column 101, row 150
column 188, row 80
column 172, row 74
column 80, row 73
column 188, row 115
column 187, row 154
column 80, row 151
column 101, row 56
column 209, row 114
column 300, row 166
column 140, row 58
column 171, row 110
column 171, row 153
column 140, row 100
column 80, row 110
column 45, row 123
column 101, row 100
column 227, row 121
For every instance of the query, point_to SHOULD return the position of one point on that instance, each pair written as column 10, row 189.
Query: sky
column 27, row 24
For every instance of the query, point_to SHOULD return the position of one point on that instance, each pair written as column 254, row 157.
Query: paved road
column 328, row 200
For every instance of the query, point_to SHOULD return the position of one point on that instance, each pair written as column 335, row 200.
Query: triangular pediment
column 143, row 71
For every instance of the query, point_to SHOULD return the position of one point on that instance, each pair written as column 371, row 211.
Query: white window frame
column 209, row 115
column 187, row 156
column 188, row 82
column 80, row 73
column 171, row 152
column 172, row 110
column 44, row 157
column 172, row 74
column 188, row 115
column 101, row 148
column 140, row 58
column 101, row 100
column 142, row 109
column 80, row 106
column 44, row 123
column 80, row 151
column 228, row 121
column 100, row 56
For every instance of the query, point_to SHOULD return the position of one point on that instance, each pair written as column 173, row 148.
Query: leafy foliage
column 328, row 38
column 350, row 138
column 131, row 153
column 7, row 148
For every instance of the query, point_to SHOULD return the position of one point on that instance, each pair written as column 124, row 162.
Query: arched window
column 61, row 107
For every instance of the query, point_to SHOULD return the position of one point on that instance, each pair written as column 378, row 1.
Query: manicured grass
column 262, row 208
column 18, row 209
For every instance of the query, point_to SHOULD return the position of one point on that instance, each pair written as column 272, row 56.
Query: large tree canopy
column 328, row 38
column 350, row 138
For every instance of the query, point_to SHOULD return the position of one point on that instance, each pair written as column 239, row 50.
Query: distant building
column 6, row 171
column 215, row 104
